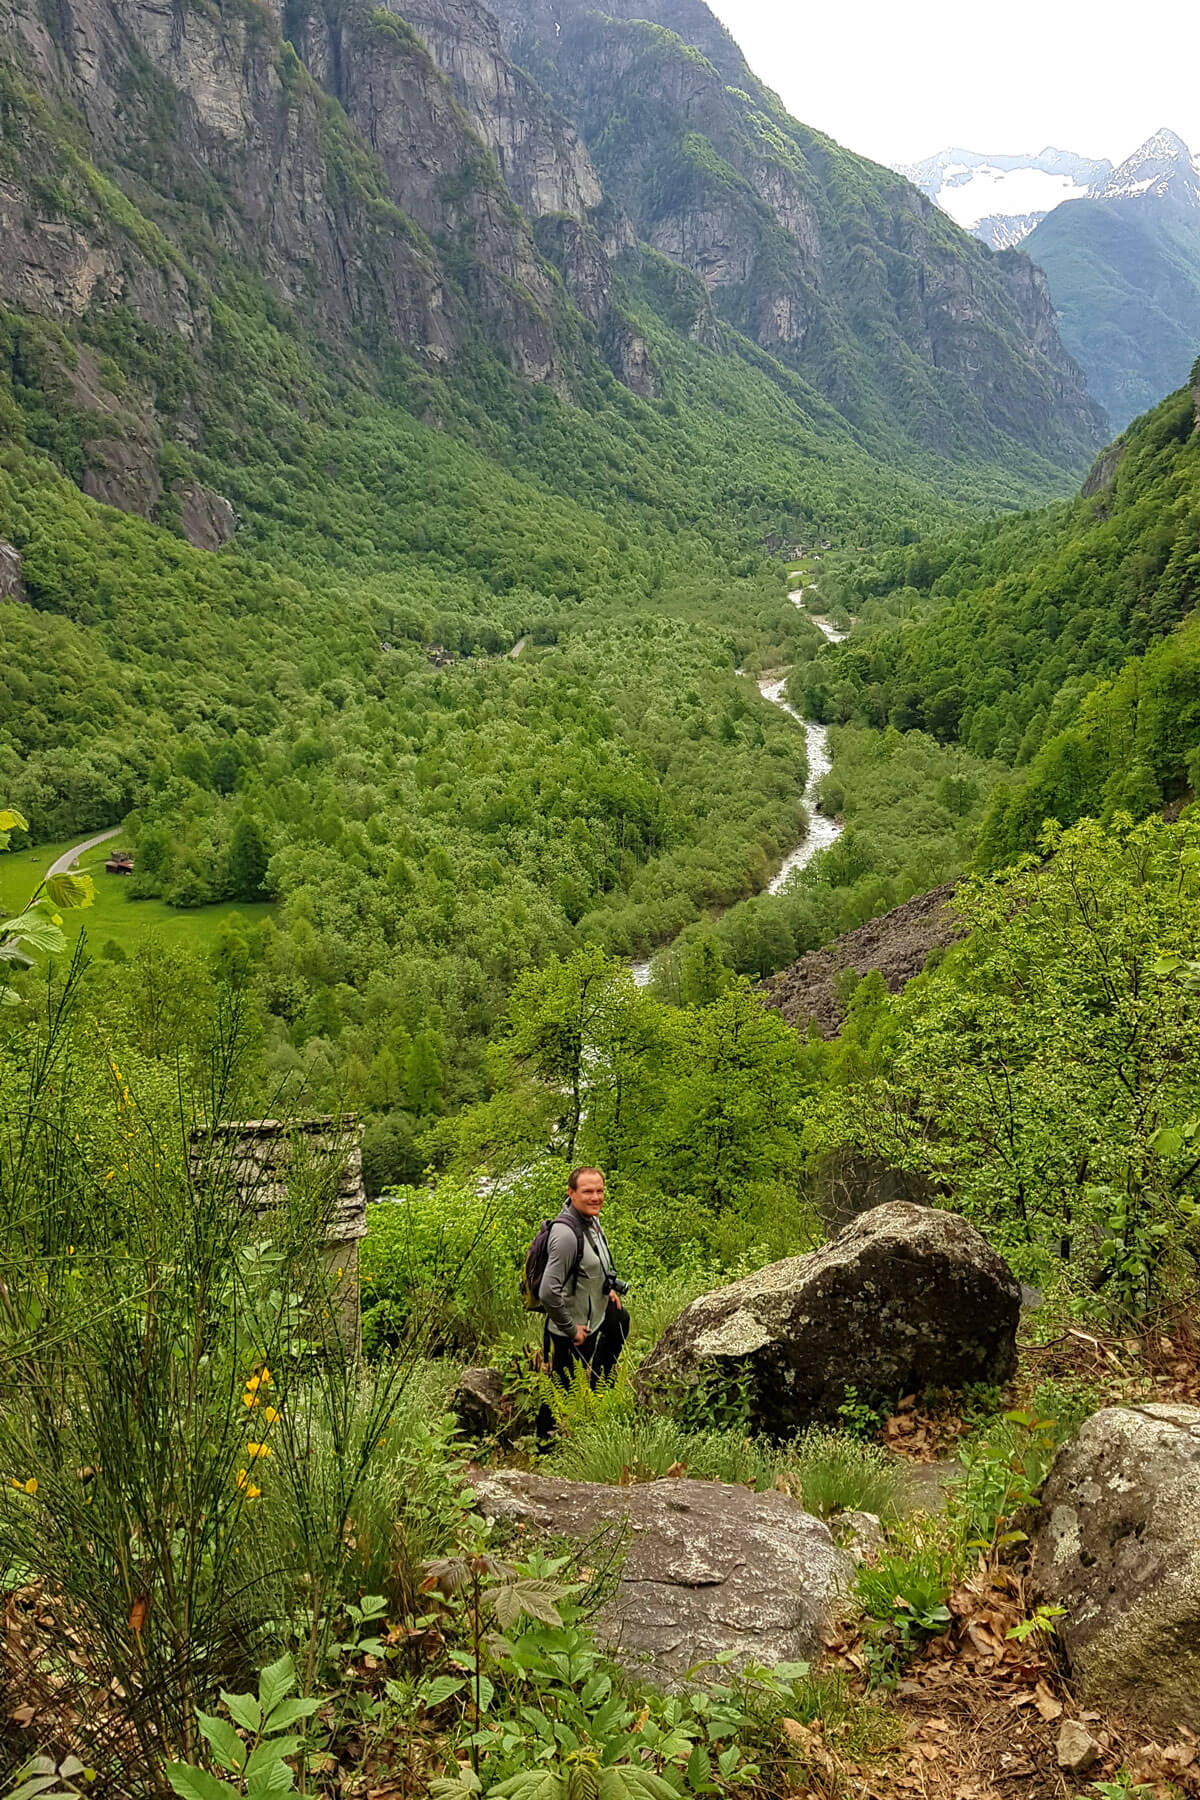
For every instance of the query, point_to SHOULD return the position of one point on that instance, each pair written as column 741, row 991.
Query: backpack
column 538, row 1256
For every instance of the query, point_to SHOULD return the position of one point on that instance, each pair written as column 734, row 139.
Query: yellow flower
column 270, row 1414
column 339, row 1274
column 252, row 1382
column 249, row 1399
column 253, row 1450
column 26, row 1487
column 110, row 1175
column 70, row 1249
column 247, row 1486
column 265, row 1378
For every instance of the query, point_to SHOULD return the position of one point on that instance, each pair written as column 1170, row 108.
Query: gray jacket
column 575, row 1296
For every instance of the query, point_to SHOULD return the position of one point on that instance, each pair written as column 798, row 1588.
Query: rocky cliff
column 838, row 267
column 384, row 183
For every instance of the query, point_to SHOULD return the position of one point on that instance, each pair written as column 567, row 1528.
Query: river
column 822, row 831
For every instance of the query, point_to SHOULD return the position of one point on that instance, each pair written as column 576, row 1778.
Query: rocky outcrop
column 207, row 518
column 897, row 944
column 479, row 1403
column 11, row 585
column 544, row 164
column 906, row 1298
column 1118, row 1547
column 715, row 174
column 707, row 1569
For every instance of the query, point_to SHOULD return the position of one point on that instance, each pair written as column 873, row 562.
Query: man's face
column 588, row 1196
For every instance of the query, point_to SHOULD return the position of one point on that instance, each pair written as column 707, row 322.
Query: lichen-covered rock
column 707, row 1569
column 1118, row 1546
column 905, row 1298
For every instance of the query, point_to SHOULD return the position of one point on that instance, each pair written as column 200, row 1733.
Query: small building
column 120, row 863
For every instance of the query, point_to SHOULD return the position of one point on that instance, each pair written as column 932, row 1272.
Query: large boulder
column 1118, row 1547
column 905, row 1298
column 708, row 1568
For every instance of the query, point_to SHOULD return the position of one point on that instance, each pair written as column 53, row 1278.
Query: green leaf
column 276, row 1680
column 288, row 1711
column 508, row 1608
column 12, row 820
column 38, row 1785
column 1167, row 1140
column 699, row 1769
column 276, row 1778
column 70, row 892
column 227, row 1746
column 276, row 1749
column 197, row 1784
column 440, row 1688
column 244, row 1710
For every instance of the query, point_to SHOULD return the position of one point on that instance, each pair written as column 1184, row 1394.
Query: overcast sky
column 897, row 82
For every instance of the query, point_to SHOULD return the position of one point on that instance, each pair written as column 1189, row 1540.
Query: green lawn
column 114, row 915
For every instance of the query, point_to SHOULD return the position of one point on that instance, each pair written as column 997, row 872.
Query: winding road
column 822, row 831
column 62, row 864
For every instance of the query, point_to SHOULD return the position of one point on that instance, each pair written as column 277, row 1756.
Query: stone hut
column 266, row 1156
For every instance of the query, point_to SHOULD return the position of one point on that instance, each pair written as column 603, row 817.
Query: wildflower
column 247, row 1486
column 339, row 1274
column 70, row 1249
column 26, row 1487
column 270, row 1414
column 110, row 1175
column 255, row 1450
column 252, row 1383
column 266, row 1377
column 249, row 1399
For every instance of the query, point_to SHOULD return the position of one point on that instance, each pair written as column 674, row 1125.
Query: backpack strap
column 570, row 1218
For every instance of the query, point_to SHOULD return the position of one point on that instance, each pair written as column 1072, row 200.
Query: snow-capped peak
column 1162, row 165
column 1001, row 198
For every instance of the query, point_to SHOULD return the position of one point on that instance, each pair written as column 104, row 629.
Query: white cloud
column 898, row 83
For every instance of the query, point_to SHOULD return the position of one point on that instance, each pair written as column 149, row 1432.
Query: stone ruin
column 265, row 1157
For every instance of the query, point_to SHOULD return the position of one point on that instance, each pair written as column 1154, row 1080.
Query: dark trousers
column 598, row 1354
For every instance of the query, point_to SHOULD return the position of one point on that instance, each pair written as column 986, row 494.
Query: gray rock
column 906, row 1298
column 859, row 1533
column 478, row 1402
column 1117, row 1545
column 208, row 519
column 1076, row 1749
column 11, row 585
column 708, row 1568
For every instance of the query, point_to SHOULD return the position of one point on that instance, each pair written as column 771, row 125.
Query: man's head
column 585, row 1190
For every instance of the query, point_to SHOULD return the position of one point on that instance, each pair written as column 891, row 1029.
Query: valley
column 629, row 667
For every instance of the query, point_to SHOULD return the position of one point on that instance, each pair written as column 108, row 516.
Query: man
column 585, row 1321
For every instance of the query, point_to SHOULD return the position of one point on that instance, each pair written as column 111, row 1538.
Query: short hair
column 586, row 1169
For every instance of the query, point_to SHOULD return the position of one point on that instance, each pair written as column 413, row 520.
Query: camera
column 614, row 1285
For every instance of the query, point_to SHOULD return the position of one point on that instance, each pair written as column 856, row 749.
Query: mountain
column 833, row 265
column 1124, row 273
column 1001, row 198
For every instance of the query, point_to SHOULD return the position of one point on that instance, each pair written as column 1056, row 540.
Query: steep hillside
column 1011, row 640
column 1124, row 273
column 838, row 267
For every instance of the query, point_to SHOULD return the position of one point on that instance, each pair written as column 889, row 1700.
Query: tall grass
column 828, row 1471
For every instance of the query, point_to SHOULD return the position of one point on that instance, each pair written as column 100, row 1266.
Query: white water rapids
column 822, row 831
